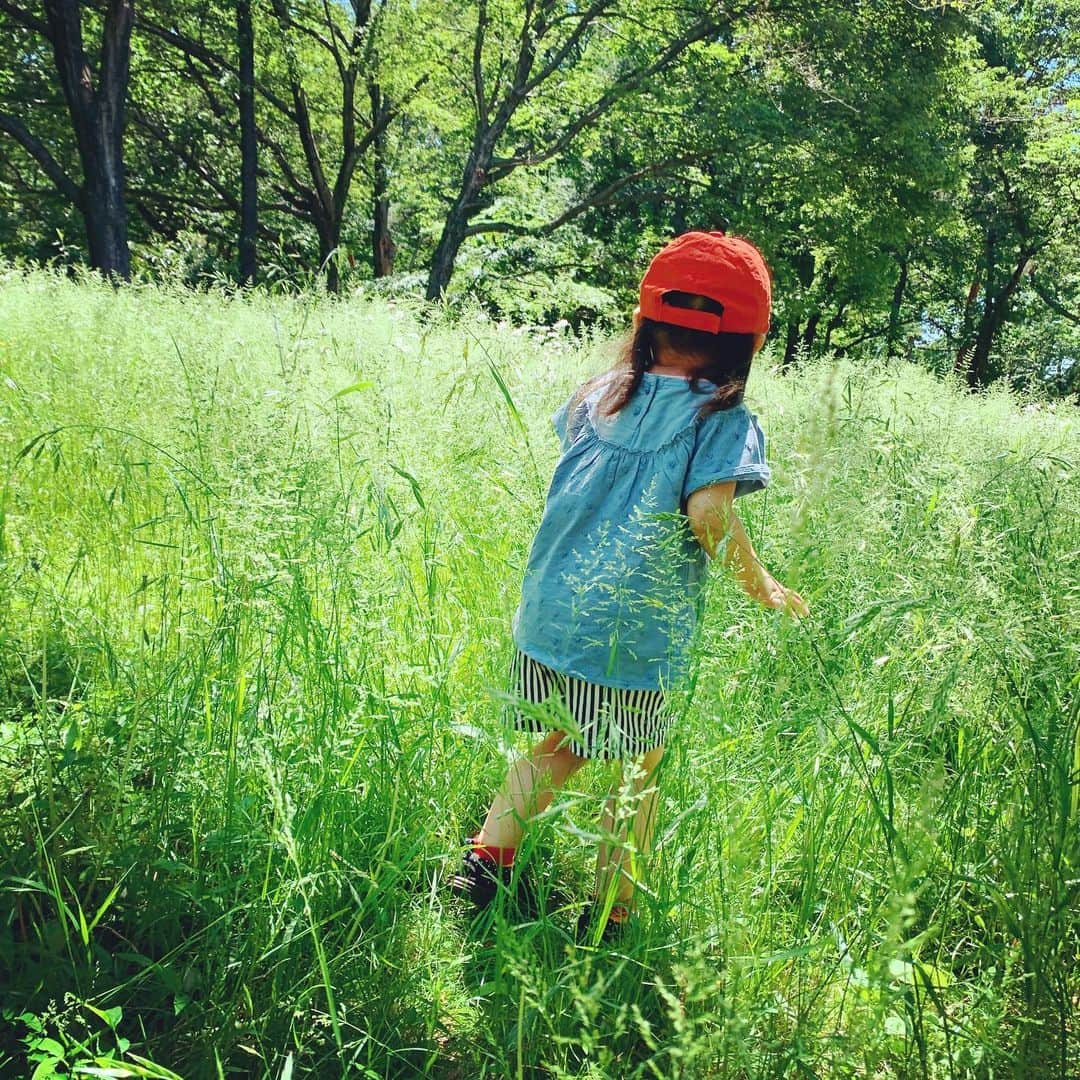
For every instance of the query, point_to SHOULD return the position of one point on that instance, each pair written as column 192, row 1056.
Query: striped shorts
column 602, row 721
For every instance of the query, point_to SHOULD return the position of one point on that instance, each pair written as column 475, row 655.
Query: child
column 613, row 586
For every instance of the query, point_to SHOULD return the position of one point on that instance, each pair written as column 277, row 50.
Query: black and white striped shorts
column 604, row 721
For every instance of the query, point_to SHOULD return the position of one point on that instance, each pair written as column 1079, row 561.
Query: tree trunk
column 383, row 249
column 976, row 358
column 978, row 367
column 456, row 224
column 804, row 264
column 329, row 237
column 968, row 331
column 960, row 366
column 442, row 262
column 893, row 338
column 832, row 326
column 810, row 333
column 496, row 102
column 791, row 347
column 105, row 214
column 809, row 336
column 97, row 117
column 249, row 160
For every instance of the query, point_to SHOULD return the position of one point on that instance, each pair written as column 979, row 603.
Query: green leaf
column 36, row 442
column 363, row 384
column 45, row 1068
column 111, row 1016
column 932, row 975
column 154, row 1071
column 413, row 483
column 507, row 397
column 894, row 1025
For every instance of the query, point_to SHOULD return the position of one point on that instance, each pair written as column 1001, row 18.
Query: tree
column 1021, row 94
column 249, row 146
column 853, row 151
column 524, row 60
column 95, row 95
column 382, row 244
column 317, row 131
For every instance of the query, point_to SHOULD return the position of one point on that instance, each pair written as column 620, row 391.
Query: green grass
column 258, row 559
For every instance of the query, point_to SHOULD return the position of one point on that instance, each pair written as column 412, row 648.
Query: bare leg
column 529, row 788
column 613, row 864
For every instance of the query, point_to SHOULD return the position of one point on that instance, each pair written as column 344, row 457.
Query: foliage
column 258, row 557
column 81, row 1040
column 909, row 170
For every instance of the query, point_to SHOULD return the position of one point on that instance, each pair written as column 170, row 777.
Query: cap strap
column 653, row 307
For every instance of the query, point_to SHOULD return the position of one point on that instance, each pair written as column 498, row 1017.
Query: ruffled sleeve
column 567, row 428
column 728, row 445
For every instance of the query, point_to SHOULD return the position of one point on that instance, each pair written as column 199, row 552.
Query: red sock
column 500, row 856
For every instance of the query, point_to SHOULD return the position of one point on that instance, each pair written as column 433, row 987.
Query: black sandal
column 479, row 881
column 618, row 923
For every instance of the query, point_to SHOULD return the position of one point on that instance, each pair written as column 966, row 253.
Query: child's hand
column 713, row 520
column 784, row 599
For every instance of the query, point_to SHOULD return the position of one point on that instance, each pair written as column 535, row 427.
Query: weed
column 259, row 559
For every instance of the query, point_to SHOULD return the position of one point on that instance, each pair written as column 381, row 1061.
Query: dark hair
column 723, row 359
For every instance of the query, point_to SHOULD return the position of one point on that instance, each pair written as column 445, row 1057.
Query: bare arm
column 713, row 520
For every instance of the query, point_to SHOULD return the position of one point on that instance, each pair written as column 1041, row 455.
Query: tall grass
column 259, row 558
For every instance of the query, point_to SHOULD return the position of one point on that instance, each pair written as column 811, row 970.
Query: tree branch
column 599, row 197
column 10, row 171
column 1052, row 302
column 186, row 155
column 24, row 18
column 297, row 206
column 554, row 59
column 199, row 78
column 503, row 167
column 305, row 195
column 477, row 62
column 302, row 119
column 49, row 165
column 217, row 63
column 873, row 332
column 311, row 32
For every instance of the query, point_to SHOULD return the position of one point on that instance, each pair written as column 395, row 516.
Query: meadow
column 258, row 560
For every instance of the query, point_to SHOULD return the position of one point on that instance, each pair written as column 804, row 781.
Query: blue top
column 613, row 586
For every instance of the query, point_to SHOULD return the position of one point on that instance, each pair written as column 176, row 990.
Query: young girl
column 613, row 586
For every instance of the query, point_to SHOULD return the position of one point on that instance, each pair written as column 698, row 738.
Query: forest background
column 256, row 586
column 910, row 170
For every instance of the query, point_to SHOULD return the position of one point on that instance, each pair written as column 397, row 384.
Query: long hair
column 723, row 359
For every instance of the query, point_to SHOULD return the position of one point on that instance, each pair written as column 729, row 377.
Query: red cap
column 726, row 269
